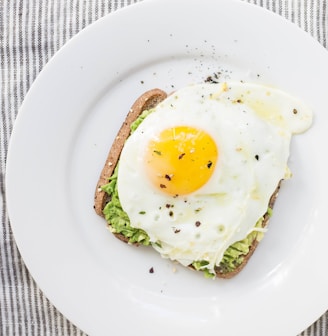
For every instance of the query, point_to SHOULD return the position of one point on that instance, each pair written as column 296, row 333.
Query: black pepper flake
column 209, row 164
column 214, row 78
column 171, row 213
column 177, row 230
column 157, row 152
column 168, row 177
column 163, row 186
column 257, row 157
column 208, row 79
column 168, row 206
column 181, row 156
column 295, row 111
column 151, row 270
column 197, row 223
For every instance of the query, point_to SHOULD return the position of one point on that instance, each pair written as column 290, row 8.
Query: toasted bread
column 146, row 101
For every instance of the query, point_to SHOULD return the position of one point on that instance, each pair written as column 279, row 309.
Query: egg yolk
column 181, row 160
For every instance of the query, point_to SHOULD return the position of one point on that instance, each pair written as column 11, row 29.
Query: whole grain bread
column 148, row 100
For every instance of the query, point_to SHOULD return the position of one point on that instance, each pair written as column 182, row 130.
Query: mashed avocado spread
column 120, row 223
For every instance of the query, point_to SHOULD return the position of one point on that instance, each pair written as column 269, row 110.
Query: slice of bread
column 146, row 101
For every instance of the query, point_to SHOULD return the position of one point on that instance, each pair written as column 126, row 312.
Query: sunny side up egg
column 199, row 171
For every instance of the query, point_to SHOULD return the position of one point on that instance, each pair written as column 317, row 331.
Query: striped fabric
column 31, row 31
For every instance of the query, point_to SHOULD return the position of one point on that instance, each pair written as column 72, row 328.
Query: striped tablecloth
column 31, row 31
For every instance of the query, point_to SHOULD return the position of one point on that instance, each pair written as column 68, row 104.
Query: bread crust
column 148, row 100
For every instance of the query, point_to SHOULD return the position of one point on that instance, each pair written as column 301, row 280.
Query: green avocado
column 120, row 223
column 113, row 212
column 117, row 217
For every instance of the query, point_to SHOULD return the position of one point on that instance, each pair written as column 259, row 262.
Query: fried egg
column 199, row 171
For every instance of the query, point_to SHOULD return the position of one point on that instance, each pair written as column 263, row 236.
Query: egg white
column 252, row 127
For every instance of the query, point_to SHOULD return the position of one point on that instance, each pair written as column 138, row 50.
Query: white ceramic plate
column 64, row 131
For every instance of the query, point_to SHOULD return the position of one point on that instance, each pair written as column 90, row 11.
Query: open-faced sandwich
column 195, row 174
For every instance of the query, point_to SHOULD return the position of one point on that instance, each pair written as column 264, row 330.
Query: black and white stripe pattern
column 31, row 31
column 310, row 15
